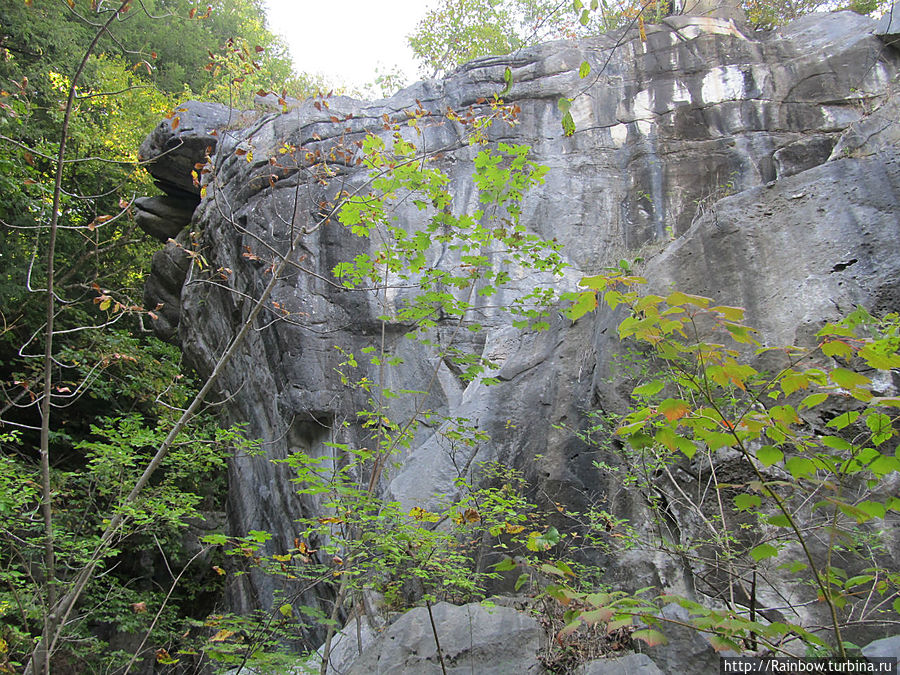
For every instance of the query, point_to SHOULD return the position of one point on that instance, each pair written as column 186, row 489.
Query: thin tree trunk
column 42, row 655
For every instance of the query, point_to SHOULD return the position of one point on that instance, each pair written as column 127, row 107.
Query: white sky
column 346, row 41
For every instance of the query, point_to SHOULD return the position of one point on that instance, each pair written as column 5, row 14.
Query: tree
column 457, row 31
column 75, row 105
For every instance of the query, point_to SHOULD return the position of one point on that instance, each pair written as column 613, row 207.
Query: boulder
column 473, row 638
column 164, row 217
column 888, row 28
column 630, row 664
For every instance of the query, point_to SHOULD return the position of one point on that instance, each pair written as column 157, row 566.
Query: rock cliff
column 758, row 168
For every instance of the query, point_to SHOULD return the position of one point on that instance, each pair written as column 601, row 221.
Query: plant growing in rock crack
column 783, row 471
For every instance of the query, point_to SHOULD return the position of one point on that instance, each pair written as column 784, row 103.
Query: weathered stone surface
column 888, row 28
column 631, row 664
column 183, row 140
column 826, row 236
column 703, row 148
column 888, row 647
column 492, row 641
column 345, row 645
column 163, row 217
column 876, row 132
column 803, row 154
column 162, row 290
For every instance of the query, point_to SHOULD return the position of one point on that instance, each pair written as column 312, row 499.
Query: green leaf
column 215, row 539
column 508, row 79
column 564, row 104
column 844, row 420
column 763, row 551
column 260, row 536
column 679, row 298
column 505, row 565
column 880, row 355
column 596, row 283
column 650, row 636
column 729, row 313
column 859, row 580
column 836, row 443
column 568, row 124
column 640, row 441
column 880, row 426
column 837, row 348
column 779, row 520
column 687, row 447
column 741, row 333
column 584, row 70
column 286, row 610
column 872, row 509
column 769, row 455
column 521, row 581
column 800, row 467
column 812, row 401
column 552, row 569
column 587, row 302
column 744, row 502
column 848, row 379
column 884, row 464
column 649, row 389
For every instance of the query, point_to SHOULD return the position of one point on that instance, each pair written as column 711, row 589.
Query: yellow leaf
column 417, row 513
column 281, row 558
column 674, row 409
column 514, row 529
column 222, row 635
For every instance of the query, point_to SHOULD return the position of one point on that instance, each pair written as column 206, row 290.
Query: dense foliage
column 115, row 390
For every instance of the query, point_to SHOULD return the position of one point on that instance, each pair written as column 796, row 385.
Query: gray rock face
column 631, row 664
column 164, row 217
column 162, row 291
column 888, row 28
column 751, row 167
column 888, row 647
column 492, row 641
column 181, row 141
